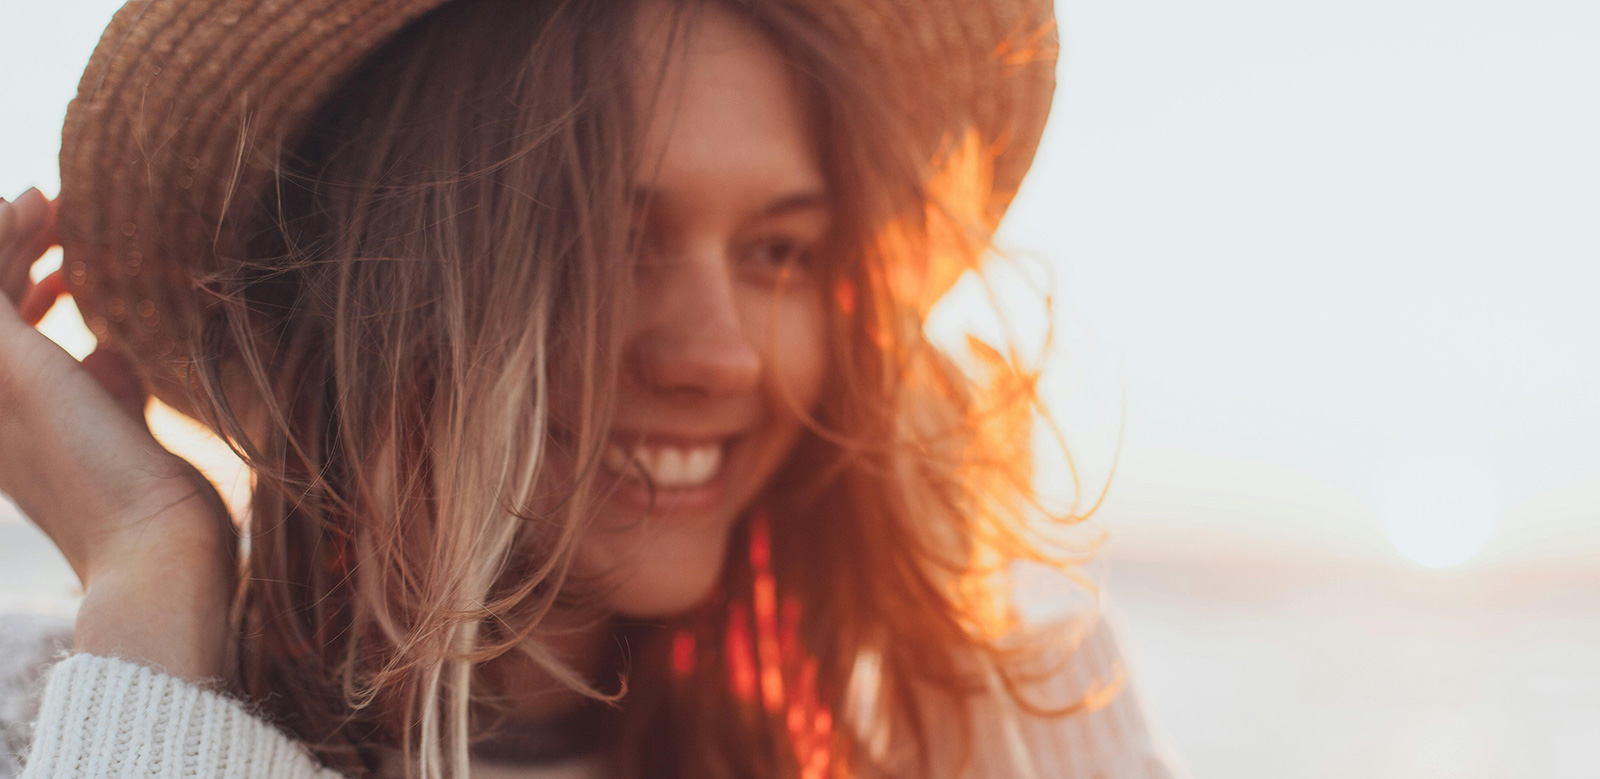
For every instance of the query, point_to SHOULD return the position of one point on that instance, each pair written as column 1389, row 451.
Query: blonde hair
column 451, row 234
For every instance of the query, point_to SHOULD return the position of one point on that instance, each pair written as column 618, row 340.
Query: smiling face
column 725, row 339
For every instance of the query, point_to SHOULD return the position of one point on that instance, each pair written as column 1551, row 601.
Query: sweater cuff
column 109, row 717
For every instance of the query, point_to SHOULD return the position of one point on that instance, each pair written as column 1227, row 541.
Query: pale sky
column 1337, row 262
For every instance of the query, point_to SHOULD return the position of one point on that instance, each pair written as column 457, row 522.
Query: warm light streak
column 741, row 657
column 683, row 660
column 773, row 664
column 765, row 601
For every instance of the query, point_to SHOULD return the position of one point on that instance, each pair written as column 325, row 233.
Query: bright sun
column 1439, row 501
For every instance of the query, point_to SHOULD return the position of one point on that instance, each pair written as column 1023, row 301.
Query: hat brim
column 181, row 95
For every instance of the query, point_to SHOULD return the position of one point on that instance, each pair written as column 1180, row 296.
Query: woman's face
column 726, row 333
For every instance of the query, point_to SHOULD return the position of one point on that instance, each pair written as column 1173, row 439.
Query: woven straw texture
column 180, row 93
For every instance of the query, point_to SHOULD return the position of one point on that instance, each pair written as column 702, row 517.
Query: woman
column 575, row 349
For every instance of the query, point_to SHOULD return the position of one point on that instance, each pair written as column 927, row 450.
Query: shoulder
column 1074, row 711
column 30, row 642
column 1071, row 709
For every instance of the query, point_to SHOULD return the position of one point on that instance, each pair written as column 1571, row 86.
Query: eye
column 780, row 254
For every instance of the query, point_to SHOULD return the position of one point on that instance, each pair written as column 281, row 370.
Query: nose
column 694, row 339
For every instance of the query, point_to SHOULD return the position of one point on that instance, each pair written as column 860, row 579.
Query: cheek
column 798, row 356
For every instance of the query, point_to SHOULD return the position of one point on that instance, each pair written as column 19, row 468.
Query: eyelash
column 795, row 253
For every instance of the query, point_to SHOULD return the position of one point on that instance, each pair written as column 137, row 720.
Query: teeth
column 667, row 467
column 703, row 460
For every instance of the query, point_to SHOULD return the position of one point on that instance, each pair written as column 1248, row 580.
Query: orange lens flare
column 741, row 660
column 682, row 653
column 771, row 663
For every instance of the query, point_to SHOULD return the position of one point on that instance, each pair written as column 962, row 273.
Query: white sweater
column 79, row 716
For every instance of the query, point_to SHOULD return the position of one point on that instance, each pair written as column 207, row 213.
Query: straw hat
column 179, row 92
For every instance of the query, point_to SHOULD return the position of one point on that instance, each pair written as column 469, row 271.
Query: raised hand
column 146, row 534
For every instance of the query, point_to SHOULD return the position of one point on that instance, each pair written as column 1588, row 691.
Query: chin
column 667, row 573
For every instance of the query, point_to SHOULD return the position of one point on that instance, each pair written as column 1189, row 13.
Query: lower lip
column 664, row 502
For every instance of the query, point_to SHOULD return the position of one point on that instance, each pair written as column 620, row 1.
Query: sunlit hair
column 423, row 312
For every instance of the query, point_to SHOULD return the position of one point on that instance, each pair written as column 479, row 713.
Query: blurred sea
column 1317, row 669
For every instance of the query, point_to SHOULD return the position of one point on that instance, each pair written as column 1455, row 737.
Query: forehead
column 718, row 104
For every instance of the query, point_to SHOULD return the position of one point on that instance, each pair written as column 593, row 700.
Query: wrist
column 178, row 522
column 164, row 609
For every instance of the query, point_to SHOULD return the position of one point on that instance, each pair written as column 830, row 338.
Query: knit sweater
column 81, row 716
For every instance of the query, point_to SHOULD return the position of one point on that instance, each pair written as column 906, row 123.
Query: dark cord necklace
column 582, row 731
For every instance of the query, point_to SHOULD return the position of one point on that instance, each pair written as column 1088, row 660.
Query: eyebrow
column 798, row 201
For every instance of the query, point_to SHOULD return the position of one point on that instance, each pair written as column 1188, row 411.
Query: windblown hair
column 441, row 261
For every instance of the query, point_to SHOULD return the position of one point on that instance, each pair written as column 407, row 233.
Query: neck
column 543, row 718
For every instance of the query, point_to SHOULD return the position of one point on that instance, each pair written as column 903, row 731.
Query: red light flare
column 773, row 664
column 682, row 653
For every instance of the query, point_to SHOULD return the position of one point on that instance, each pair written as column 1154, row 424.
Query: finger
column 8, row 229
column 38, row 221
column 117, row 375
column 41, row 297
column 52, row 224
column 32, row 232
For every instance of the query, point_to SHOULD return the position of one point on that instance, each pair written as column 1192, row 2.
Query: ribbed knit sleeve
column 109, row 718
column 1108, row 737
